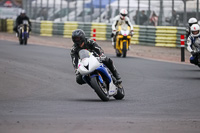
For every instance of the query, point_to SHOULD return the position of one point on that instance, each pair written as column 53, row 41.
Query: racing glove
column 132, row 33
column 77, row 72
column 102, row 57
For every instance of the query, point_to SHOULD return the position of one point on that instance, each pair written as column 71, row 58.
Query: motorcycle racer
column 81, row 42
column 193, row 43
column 123, row 21
column 20, row 20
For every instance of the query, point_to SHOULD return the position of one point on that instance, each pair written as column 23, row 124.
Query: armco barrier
column 100, row 31
column 85, row 27
column 166, row 36
column 46, row 28
column 10, row 25
column 135, row 38
column 1, row 24
column 36, row 27
column 108, row 31
column 69, row 27
column 58, row 29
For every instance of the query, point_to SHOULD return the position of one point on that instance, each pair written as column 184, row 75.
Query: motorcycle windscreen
column 84, row 54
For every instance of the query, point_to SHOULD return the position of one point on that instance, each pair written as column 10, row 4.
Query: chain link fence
column 140, row 12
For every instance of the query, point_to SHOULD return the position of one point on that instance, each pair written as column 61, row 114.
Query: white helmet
column 192, row 21
column 123, row 13
column 22, row 11
column 195, row 30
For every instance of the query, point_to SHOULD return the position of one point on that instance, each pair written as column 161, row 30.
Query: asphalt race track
column 38, row 94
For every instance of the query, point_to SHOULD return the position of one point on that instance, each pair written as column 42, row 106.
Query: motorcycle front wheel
column 20, row 41
column 124, row 50
column 20, row 38
column 120, row 93
column 101, row 91
column 25, row 39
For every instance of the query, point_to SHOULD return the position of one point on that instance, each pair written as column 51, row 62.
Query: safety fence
column 166, row 36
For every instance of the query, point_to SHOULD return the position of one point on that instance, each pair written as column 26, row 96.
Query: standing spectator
column 136, row 17
column 42, row 14
column 143, row 18
column 154, row 19
column 174, row 20
column 177, row 20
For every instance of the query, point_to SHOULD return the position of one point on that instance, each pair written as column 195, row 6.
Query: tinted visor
column 124, row 15
column 78, row 40
column 195, row 32
column 192, row 24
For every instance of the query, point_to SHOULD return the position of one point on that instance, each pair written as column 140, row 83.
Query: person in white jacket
column 123, row 21
column 193, row 43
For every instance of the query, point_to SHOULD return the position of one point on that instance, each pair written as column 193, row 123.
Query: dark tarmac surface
column 38, row 94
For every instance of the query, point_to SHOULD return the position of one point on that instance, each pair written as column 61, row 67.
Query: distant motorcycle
column 23, row 30
column 99, row 77
column 123, row 40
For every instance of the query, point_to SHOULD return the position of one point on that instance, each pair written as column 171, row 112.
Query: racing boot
column 117, row 78
column 115, row 73
column 109, row 63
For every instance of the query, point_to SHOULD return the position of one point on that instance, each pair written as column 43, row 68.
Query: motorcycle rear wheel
column 101, row 92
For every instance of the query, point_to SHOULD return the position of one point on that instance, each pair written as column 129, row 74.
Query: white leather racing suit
column 193, row 43
column 120, row 22
column 123, row 23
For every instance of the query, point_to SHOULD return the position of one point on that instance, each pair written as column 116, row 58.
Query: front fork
column 120, row 42
column 24, row 32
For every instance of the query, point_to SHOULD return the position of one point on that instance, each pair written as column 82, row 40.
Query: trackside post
column 94, row 34
column 182, row 48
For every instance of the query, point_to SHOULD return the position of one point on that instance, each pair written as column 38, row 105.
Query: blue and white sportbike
column 99, row 77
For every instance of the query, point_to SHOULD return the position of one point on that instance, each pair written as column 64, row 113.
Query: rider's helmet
column 78, row 36
column 195, row 30
column 192, row 21
column 22, row 13
column 123, row 13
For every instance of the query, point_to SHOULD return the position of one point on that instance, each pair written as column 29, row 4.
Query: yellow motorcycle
column 123, row 39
